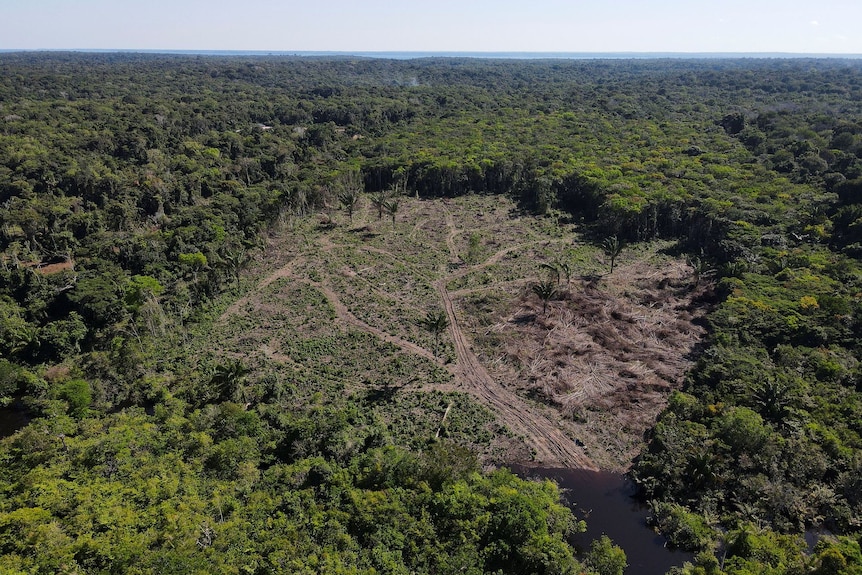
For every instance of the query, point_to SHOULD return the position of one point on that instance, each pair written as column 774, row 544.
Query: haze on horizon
column 791, row 26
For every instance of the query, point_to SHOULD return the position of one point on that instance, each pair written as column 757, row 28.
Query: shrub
column 78, row 395
column 683, row 528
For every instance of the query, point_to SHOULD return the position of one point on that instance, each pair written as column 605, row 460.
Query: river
column 606, row 502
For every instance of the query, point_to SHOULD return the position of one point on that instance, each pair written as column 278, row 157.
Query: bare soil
column 606, row 353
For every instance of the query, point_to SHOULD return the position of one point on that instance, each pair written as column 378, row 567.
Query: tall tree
column 351, row 188
column 349, row 201
column 378, row 200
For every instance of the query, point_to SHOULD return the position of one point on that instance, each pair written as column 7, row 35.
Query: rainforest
column 303, row 315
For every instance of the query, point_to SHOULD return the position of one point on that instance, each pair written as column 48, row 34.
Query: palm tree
column 699, row 269
column 379, row 200
column 553, row 271
column 391, row 207
column 566, row 270
column 25, row 338
column 774, row 399
column 558, row 270
column 546, row 290
column 436, row 323
column 612, row 247
column 349, row 199
column 351, row 186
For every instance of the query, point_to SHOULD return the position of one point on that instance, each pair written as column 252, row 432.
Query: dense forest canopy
column 135, row 188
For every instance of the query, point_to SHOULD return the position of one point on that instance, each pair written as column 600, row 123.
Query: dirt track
column 548, row 443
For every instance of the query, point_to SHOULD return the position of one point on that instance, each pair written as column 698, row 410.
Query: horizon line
column 407, row 54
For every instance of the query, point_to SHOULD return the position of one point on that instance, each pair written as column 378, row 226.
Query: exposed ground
column 576, row 386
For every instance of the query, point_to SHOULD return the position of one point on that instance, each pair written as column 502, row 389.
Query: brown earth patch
column 606, row 354
column 48, row 269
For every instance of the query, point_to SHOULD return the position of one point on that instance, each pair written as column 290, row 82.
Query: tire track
column 499, row 254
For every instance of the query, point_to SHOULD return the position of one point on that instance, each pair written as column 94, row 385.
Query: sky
column 793, row 26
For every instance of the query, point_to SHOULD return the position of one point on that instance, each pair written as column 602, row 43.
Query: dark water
column 605, row 501
column 12, row 418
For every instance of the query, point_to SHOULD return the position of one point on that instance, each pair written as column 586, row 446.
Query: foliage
column 683, row 528
column 612, row 248
column 391, row 206
column 436, row 323
column 133, row 188
column 177, row 492
column 78, row 396
column 545, row 290
column 605, row 558
column 351, row 191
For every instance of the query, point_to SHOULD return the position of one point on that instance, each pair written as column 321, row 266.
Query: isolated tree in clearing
column 436, row 323
column 351, row 191
column 378, row 200
column 391, row 207
column 612, row 247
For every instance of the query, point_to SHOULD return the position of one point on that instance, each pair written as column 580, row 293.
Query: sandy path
column 501, row 253
column 450, row 237
column 455, row 294
column 272, row 354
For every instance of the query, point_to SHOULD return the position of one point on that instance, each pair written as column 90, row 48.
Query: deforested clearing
column 576, row 385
